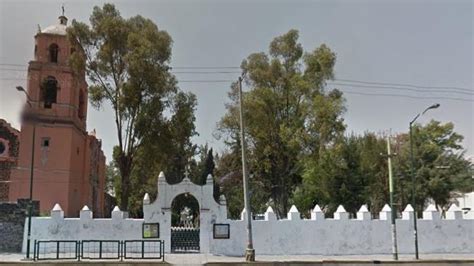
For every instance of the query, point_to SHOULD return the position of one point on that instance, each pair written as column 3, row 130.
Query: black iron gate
column 184, row 239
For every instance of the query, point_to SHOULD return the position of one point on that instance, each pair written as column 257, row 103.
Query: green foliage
column 112, row 178
column 440, row 168
column 354, row 172
column 297, row 151
column 127, row 64
column 285, row 118
column 203, row 166
column 349, row 173
column 180, row 147
column 229, row 173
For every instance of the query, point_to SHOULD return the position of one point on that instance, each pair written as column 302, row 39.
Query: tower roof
column 57, row 29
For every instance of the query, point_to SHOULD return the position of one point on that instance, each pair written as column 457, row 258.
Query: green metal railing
column 56, row 250
column 144, row 249
column 98, row 249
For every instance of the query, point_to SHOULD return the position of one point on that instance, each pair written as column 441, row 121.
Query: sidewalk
column 196, row 259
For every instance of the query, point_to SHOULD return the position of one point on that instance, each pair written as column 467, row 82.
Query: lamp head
column 434, row 106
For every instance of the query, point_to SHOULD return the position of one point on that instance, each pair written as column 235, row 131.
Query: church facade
column 9, row 146
column 69, row 164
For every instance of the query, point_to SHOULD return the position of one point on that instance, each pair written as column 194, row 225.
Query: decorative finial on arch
column 161, row 177
column 209, row 179
column 62, row 7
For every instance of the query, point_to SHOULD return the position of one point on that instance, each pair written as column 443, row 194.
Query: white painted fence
column 293, row 236
column 344, row 236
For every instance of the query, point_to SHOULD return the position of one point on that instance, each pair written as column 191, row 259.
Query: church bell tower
column 58, row 110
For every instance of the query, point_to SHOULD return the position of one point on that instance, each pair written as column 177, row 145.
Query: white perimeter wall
column 57, row 227
column 339, row 236
column 347, row 237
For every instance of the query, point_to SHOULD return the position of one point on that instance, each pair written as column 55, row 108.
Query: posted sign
column 221, row 231
column 151, row 230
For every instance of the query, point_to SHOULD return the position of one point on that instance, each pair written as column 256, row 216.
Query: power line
column 346, row 83
column 346, row 92
column 207, row 81
column 14, row 65
column 404, row 85
column 197, row 81
column 175, row 72
column 206, row 72
column 13, row 69
column 177, row 67
column 408, row 96
column 206, row 67
column 216, row 70
column 400, row 88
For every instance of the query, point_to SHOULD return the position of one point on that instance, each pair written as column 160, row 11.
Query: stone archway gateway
column 160, row 212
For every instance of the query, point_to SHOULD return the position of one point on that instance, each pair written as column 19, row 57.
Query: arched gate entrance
column 185, row 220
column 191, row 231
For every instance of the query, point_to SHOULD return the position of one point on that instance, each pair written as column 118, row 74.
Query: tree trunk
column 125, row 193
column 124, row 163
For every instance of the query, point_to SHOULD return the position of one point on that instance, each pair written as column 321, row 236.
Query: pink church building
column 69, row 164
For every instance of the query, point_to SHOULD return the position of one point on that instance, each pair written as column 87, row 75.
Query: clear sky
column 416, row 42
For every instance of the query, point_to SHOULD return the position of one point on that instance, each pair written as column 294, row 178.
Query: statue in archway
column 186, row 218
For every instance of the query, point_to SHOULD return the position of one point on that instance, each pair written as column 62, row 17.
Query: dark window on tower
column 49, row 91
column 81, row 112
column 45, row 142
column 36, row 49
column 3, row 148
column 53, row 53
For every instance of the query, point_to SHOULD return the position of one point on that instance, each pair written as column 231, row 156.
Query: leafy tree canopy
column 288, row 113
column 127, row 64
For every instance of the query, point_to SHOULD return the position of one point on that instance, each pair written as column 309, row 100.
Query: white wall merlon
column 341, row 213
column 317, row 213
column 293, row 214
column 431, row 213
column 270, row 215
column 363, row 213
column 408, row 213
column 385, row 213
column 454, row 212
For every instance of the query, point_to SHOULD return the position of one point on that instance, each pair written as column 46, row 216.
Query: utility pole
column 394, row 212
column 413, row 177
column 30, row 202
column 250, row 252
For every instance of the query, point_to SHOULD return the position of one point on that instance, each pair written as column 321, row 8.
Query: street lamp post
column 30, row 203
column 250, row 252
column 413, row 176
